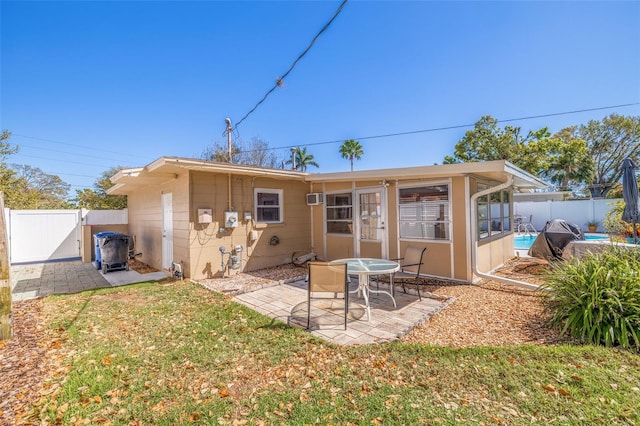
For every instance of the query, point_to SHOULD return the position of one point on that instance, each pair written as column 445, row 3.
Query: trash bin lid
column 106, row 233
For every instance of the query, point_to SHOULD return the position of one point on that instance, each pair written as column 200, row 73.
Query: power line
column 280, row 80
column 458, row 126
column 65, row 143
column 64, row 160
column 74, row 153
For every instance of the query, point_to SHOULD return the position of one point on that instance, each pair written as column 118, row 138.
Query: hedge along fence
column 5, row 281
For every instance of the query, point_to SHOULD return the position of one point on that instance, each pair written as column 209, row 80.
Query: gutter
column 474, row 236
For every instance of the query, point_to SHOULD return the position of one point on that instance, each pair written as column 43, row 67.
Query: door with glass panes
column 370, row 230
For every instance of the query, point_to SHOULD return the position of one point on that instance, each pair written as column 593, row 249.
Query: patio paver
column 34, row 280
column 386, row 324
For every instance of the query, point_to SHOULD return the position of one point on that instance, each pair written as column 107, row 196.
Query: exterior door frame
column 382, row 228
column 167, row 230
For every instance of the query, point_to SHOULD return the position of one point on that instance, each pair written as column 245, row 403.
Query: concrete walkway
column 34, row 280
column 288, row 303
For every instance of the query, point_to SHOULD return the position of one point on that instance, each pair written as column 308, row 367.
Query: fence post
column 5, row 282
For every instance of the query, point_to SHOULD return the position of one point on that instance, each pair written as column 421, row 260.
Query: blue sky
column 87, row 85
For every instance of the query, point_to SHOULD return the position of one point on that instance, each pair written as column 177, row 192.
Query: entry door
column 167, row 230
column 371, row 240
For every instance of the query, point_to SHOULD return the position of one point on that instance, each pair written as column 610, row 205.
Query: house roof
column 498, row 171
column 166, row 169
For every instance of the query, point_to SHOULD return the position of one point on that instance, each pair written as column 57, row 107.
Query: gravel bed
column 489, row 313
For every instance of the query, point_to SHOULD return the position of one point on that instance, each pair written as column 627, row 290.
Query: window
column 268, row 204
column 424, row 212
column 494, row 213
column 339, row 210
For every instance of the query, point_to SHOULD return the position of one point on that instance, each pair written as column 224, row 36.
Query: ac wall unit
column 315, row 198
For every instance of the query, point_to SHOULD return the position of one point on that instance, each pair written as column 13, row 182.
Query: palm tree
column 303, row 159
column 351, row 149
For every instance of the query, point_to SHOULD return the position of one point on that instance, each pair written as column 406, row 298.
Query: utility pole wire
column 280, row 80
column 458, row 126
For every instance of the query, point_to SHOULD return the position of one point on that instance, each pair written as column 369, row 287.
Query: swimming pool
column 523, row 242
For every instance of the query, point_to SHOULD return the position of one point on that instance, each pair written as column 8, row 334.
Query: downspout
column 229, row 188
column 474, row 237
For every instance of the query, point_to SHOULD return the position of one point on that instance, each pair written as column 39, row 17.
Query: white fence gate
column 39, row 235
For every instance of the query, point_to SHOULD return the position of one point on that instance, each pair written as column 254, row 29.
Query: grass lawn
column 179, row 354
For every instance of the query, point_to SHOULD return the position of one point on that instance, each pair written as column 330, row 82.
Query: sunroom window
column 494, row 213
column 424, row 212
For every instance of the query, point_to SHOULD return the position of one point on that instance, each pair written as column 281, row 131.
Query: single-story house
column 213, row 219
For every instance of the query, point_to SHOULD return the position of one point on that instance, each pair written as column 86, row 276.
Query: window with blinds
column 424, row 212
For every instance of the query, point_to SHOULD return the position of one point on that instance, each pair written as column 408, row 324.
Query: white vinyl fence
column 41, row 235
column 578, row 212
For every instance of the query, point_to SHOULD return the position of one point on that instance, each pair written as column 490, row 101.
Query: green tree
column 40, row 190
column 97, row 198
column 256, row 152
column 570, row 164
column 303, row 159
column 351, row 149
column 27, row 187
column 610, row 141
column 487, row 141
column 7, row 175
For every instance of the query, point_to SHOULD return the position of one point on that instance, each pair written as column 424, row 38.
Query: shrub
column 597, row 298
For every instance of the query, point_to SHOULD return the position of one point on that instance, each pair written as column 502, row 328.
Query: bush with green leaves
column 596, row 298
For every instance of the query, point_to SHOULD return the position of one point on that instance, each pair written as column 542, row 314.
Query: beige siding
column 460, row 230
column 145, row 219
column 392, row 221
column 210, row 190
column 339, row 246
column 493, row 254
column 317, row 223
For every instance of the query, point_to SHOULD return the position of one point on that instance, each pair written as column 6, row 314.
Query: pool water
column 523, row 242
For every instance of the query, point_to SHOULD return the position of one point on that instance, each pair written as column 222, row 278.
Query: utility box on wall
column 205, row 216
column 231, row 219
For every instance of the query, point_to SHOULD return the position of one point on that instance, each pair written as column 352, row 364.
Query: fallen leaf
column 549, row 388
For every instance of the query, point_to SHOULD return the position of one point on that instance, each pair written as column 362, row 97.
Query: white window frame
column 279, row 193
column 502, row 217
column 447, row 223
column 347, row 221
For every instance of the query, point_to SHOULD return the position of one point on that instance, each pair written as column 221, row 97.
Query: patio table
column 364, row 268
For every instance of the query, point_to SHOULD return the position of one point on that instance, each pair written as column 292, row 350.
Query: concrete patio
column 34, row 280
column 288, row 303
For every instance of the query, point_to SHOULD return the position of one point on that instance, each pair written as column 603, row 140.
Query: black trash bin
column 112, row 251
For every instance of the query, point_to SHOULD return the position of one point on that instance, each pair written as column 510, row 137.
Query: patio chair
column 328, row 278
column 410, row 266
